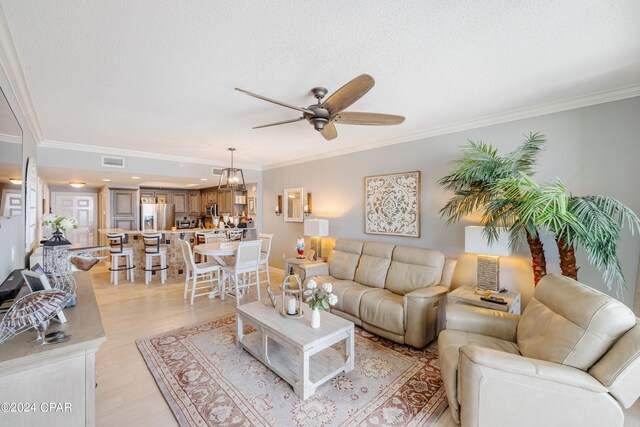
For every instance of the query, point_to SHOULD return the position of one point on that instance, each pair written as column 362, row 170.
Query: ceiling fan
column 324, row 114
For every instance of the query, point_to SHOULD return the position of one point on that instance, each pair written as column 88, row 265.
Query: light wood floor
column 127, row 394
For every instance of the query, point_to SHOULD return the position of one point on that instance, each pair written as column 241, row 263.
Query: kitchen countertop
column 177, row 231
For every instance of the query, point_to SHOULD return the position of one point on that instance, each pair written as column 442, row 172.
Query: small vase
column 315, row 318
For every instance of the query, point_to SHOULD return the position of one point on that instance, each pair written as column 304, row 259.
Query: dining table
column 217, row 250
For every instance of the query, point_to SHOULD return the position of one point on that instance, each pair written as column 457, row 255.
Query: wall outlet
column 284, row 255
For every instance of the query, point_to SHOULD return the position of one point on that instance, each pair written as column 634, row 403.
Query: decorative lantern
column 56, row 241
column 292, row 297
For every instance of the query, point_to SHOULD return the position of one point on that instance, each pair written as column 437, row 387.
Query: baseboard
column 276, row 270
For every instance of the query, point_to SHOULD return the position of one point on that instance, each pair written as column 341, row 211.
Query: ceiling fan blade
column 329, row 132
column 283, row 104
column 348, row 94
column 371, row 119
column 279, row 123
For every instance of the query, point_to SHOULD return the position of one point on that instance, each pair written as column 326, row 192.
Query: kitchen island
column 175, row 262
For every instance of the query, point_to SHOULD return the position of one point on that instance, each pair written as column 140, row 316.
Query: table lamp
column 316, row 229
column 488, row 272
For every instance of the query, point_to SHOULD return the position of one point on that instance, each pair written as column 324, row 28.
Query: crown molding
column 535, row 111
column 12, row 67
column 59, row 145
column 11, row 139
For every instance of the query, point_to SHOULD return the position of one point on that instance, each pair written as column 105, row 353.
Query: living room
column 152, row 85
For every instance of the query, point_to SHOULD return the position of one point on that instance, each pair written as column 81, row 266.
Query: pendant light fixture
column 231, row 179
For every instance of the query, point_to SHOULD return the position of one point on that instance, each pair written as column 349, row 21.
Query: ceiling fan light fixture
column 319, row 123
column 232, row 179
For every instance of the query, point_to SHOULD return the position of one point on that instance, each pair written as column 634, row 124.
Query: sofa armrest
column 478, row 320
column 421, row 309
column 429, row 292
column 540, row 392
column 313, row 269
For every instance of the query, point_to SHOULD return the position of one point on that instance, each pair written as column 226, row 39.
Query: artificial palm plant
column 503, row 190
column 593, row 222
column 474, row 182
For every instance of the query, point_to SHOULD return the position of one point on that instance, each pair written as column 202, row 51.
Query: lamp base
column 316, row 244
column 488, row 272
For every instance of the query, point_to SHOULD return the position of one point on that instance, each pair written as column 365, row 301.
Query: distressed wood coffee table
column 299, row 354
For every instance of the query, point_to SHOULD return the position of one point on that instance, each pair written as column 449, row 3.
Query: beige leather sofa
column 572, row 359
column 392, row 291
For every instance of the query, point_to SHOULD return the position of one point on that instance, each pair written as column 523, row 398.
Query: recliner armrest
column 540, row 393
column 313, row 269
column 478, row 320
column 526, row 366
column 421, row 309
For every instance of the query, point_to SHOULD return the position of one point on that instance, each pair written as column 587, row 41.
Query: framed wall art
column 251, row 206
column 392, row 204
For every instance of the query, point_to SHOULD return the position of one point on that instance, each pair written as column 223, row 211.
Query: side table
column 296, row 262
column 465, row 295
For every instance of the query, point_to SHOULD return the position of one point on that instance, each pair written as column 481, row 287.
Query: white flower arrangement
column 58, row 222
column 319, row 297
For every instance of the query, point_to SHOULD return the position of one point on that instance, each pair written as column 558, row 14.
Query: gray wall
column 594, row 150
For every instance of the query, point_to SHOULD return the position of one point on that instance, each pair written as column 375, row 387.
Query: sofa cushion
column 374, row 264
column 343, row 259
column 413, row 268
column 349, row 293
column 570, row 323
column 383, row 309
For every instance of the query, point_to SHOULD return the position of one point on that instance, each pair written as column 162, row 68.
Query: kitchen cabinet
column 124, row 209
column 163, row 196
column 180, row 199
column 225, row 202
column 194, row 203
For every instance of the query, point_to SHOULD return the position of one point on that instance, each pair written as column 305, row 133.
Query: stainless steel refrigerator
column 157, row 216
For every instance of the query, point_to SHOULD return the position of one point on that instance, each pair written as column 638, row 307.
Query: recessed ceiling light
column 106, row 179
column 135, row 177
column 204, row 179
column 77, row 184
column 16, row 181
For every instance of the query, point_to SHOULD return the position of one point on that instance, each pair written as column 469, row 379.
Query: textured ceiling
column 158, row 76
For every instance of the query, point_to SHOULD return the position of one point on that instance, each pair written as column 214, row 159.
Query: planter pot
column 315, row 318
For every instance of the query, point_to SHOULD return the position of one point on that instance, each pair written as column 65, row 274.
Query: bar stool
column 152, row 249
column 200, row 238
column 116, row 243
column 265, row 250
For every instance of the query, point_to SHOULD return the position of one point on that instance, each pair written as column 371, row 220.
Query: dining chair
column 199, row 274
column 235, row 234
column 265, row 250
column 244, row 272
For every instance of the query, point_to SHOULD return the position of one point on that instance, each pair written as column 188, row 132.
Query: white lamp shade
column 316, row 227
column 476, row 242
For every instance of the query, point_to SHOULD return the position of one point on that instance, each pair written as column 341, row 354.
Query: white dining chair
column 265, row 250
column 235, row 234
column 244, row 272
column 200, row 273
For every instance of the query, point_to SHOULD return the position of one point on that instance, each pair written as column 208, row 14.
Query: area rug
column 208, row 381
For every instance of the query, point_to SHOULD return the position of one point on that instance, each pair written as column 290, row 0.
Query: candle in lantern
column 291, row 306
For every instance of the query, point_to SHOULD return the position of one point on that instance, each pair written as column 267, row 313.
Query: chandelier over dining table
column 231, row 179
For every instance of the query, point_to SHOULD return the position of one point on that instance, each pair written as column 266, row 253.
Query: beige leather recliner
column 392, row 291
column 571, row 359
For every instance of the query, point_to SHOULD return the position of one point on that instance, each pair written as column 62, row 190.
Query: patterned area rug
column 207, row 380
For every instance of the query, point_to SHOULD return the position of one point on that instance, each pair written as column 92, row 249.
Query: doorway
column 11, row 203
column 82, row 207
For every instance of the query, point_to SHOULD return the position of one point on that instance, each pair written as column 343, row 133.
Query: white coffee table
column 295, row 351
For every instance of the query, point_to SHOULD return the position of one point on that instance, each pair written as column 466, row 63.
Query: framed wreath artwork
column 392, row 204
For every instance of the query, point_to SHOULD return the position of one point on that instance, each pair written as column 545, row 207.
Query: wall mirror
column 11, row 178
column 293, row 205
